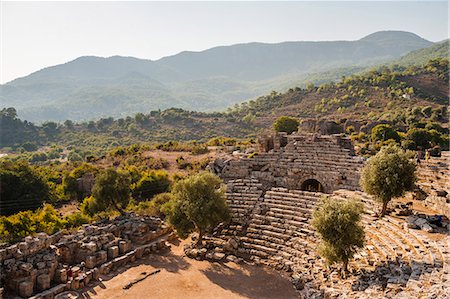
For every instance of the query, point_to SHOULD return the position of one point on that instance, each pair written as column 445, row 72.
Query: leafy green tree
column 388, row 174
column 50, row 128
column 69, row 124
column 29, row 146
column 198, row 204
column 111, row 189
column 48, row 220
column 426, row 111
column 154, row 206
column 22, row 188
column 338, row 224
column 384, row 132
column 421, row 137
column 150, row 184
column 286, row 124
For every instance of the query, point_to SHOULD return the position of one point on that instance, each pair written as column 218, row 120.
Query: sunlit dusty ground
column 181, row 277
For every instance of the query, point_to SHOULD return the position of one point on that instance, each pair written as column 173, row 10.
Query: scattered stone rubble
column 430, row 224
column 44, row 266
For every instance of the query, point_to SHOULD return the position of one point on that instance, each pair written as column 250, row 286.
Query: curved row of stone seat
column 435, row 173
column 281, row 217
column 280, row 235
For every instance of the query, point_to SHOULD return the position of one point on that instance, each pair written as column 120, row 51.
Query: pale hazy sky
column 40, row 34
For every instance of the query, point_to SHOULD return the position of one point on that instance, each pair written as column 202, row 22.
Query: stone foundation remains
column 43, row 266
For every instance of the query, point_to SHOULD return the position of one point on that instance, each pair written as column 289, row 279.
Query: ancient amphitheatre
column 268, row 250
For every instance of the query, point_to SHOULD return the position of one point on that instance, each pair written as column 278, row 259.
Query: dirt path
column 181, row 277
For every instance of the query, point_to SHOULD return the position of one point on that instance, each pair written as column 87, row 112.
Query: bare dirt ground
column 181, row 277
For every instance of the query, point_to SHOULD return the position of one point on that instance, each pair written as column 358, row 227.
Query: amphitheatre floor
column 181, row 277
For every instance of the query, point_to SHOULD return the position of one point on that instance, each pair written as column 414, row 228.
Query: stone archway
column 312, row 185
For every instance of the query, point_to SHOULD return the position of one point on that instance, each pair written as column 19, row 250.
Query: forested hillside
column 211, row 80
column 403, row 97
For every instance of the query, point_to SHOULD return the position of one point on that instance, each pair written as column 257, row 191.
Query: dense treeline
column 385, row 94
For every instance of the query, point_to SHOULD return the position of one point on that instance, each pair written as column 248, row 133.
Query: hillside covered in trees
column 404, row 97
column 94, row 87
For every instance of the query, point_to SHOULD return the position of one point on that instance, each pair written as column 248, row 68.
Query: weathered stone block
column 75, row 271
column 43, row 282
column 95, row 274
column 61, row 275
column 25, row 288
column 91, row 246
column 124, row 246
column 105, row 268
column 113, row 252
column 139, row 252
column 102, row 257
column 75, row 284
column 90, row 262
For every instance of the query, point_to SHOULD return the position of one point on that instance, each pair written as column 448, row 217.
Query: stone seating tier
column 278, row 233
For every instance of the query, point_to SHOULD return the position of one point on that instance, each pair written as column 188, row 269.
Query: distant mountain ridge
column 92, row 87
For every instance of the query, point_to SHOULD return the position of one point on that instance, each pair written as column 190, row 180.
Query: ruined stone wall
column 48, row 265
column 328, row 159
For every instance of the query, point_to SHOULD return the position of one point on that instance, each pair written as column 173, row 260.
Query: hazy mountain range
column 91, row 87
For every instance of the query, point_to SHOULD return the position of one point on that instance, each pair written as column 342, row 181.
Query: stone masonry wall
column 44, row 265
column 328, row 159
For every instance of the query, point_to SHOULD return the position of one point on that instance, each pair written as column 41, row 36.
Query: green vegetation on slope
column 93, row 87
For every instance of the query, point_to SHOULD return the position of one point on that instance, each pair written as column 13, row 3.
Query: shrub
column 286, row 124
column 199, row 149
column 22, row 224
column 77, row 219
column 421, row 137
column 154, row 207
column 111, row 190
column 17, row 226
column 150, row 184
column 182, row 163
column 74, row 157
column 22, row 188
column 48, row 220
column 29, row 147
column 384, row 132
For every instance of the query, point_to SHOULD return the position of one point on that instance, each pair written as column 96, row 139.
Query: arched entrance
column 312, row 185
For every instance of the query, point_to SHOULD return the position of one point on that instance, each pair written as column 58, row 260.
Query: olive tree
column 338, row 224
column 198, row 204
column 111, row 190
column 388, row 174
column 384, row 132
column 286, row 124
